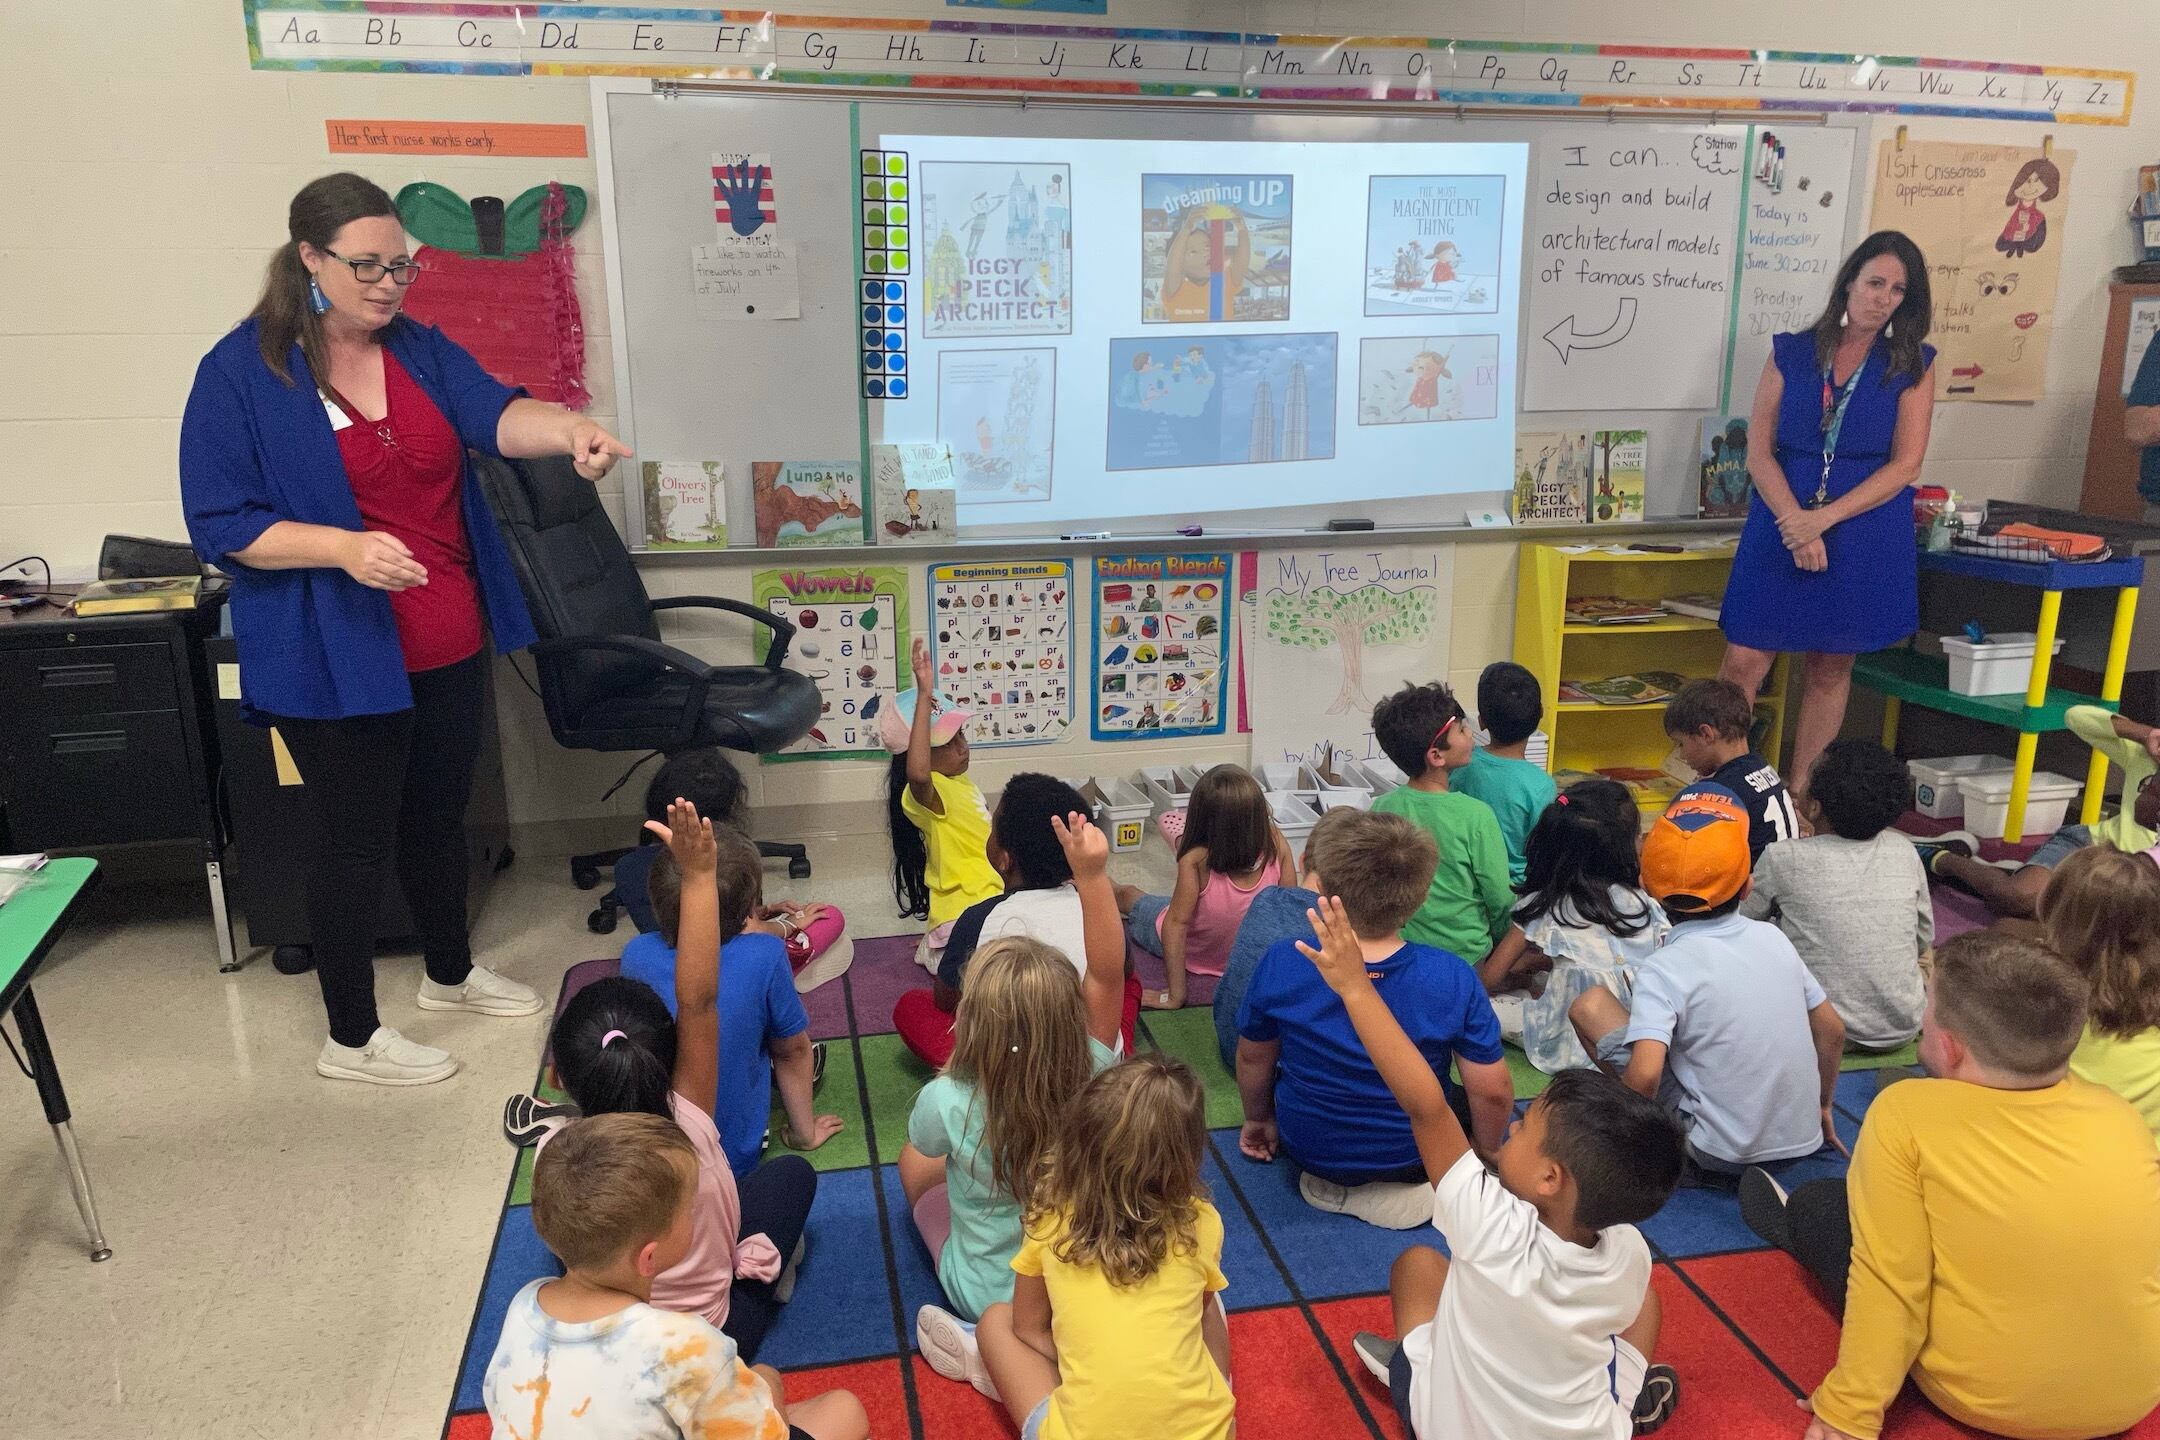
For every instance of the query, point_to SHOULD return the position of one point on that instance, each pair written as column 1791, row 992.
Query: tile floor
column 292, row 1257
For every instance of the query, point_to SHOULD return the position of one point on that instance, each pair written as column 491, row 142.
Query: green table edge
column 37, row 915
column 1923, row 680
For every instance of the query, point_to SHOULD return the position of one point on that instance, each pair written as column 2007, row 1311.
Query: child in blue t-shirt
column 1509, row 708
column 764, row 1031
column 1309, row 1088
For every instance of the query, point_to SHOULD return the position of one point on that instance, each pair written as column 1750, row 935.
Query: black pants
column 1458, row 1101
column 384, row 784
column 1819, row 1221
column 775, row 1203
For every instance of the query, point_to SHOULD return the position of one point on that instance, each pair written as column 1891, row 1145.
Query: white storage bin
column 1987, row 803
column 2001, row 665
column 1935, row 788
column 1120, row 810
column 1295, row 819
column 1289, row 777
column 1167, row 787
column 1379, row 774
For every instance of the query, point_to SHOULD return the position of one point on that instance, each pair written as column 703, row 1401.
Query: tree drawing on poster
column 1988, row 218
column 1334, row 632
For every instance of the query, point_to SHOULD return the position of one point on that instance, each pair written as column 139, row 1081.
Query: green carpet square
column 1189, row 1034
column 894, row 1075
column 839, row 1095
column 1907, row 1054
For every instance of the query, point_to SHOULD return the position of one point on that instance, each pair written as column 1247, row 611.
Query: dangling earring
column 1842, row 320
column 1889, row 329
column 317, row 301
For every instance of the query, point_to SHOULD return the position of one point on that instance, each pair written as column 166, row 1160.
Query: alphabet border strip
column 538, row 39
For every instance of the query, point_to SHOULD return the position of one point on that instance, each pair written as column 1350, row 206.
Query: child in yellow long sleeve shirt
column 1998, row 1238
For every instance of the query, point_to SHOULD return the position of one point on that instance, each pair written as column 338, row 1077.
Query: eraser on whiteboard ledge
column 1349, row 525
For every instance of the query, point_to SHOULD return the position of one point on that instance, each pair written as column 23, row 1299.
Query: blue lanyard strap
column 1835, row 399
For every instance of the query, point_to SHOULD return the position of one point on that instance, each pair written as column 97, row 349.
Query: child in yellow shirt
column 1999, row 1233
column 1114, row 1329
column 939, row 820
column 2101, row 912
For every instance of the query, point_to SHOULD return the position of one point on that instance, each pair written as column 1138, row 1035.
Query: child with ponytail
column 617, row 1049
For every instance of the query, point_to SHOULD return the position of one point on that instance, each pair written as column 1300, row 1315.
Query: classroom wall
column 146, row 172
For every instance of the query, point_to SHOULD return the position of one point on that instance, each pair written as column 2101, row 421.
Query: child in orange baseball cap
column 1726, row 1025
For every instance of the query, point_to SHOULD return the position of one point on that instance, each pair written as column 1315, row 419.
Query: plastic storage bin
column 1379, row 774
column 1167, row 787
column 1935, row 788
column 1289, row 777
column 1987, row 803
column 1295, row 819
column 1120, row 809
column 2001, row 665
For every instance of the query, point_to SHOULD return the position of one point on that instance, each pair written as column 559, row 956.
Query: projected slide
column 1123, row 328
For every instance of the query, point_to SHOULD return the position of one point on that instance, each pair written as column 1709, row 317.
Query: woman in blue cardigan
column 322, row 465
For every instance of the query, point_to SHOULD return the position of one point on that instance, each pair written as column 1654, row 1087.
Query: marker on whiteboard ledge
column 1086, row 535
column 1352, row 524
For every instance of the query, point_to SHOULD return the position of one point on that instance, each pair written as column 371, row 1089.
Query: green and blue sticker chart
column 1160, row 646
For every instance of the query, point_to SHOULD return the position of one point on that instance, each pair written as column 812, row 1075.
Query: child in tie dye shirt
column 585, row 1357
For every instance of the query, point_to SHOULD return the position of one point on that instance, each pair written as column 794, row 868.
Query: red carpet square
column 1725, row 1393
column 1342, row 1319
column 1285, row 1385
column 1770, row 1298
column 951, row 1407
column 877, row 1383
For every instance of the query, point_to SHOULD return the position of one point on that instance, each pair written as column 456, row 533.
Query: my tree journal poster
column 1330, row 633
column 1002, row 645
column 1161, row 645
column 851, row 637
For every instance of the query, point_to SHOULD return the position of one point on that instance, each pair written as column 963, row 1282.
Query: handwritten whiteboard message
column 1793, row 241
column 760, row 286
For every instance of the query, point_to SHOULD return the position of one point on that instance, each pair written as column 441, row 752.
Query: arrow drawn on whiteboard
column 1574, row 339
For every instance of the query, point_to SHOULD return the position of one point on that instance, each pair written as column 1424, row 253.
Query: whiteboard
column 699, row 385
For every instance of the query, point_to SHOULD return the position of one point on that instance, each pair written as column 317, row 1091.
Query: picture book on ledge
column 912, row 496
column 1618, row 463
column 1552, row 478
column 685, row 504
column 807, row 502
column 1722, row 485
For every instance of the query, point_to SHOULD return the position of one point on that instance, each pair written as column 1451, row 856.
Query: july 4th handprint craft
column 745, row 210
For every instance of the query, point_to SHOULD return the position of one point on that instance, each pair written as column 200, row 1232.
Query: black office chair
column 607, row 679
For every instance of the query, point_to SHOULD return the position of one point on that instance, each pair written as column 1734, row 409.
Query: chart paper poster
column 851, row 637
column 997, row 414
column 1000, row 248
column 1214, row 249
column 807, row 502
column 1421, row 379
column 1434, row 244
column 685, row 504
column 1180, row 401
column 1330, row 633
column 1989, row 220
column 1003, row 647
column 1161, row 643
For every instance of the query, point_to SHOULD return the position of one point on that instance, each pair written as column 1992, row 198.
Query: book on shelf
column 135, row 597
column 1552, row 478
column 1722, row 485
column 1612, row 610
column 1695, row 607
column 1619, row 460
column 1642, row 783
column 1649, row 687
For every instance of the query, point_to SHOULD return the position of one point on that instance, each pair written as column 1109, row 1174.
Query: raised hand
column 919, row 662
column 739, row 186
column 689, row 838
column 1339, row 958
column 1087, row 849
column 381, row 561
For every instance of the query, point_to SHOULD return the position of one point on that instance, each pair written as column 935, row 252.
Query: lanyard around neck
column 1835, row 399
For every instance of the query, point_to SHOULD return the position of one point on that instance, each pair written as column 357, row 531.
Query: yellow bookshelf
column 1589, row 736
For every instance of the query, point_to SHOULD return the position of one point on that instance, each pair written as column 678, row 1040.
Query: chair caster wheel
column 585, row 877
column 293, row 959
column 601, row 921
column 504, row 860
column 798, row 869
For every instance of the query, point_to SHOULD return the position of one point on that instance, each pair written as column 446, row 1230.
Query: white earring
column 1844, row 320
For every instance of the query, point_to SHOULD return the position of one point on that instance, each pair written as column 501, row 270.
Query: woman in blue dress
column 1827, row 567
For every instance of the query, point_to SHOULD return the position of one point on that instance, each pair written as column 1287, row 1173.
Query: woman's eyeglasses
column 370, row 272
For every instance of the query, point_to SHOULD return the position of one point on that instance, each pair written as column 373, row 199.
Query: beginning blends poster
column 1003, row 647
column 851, row 637
column 1000, row 248
column 1412, row 380
column 1178, row 401
column 1214, row 248
column 997, row 414
column 1433, row 244
column 1162, row 640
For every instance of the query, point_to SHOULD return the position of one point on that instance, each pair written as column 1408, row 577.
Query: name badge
column 338, row 418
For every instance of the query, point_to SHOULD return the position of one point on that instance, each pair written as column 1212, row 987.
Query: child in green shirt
column 1509, row 708
column 1466, row 909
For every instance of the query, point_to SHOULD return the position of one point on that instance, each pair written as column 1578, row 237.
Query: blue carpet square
column 918, row 1271
column 842, row 1308
column 518, row 1259
column 1707, row 1221
column 1328, row 1256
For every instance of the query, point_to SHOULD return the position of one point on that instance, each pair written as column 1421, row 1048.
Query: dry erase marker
column 1087, row 535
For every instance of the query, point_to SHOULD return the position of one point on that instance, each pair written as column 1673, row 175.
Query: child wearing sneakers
column 1509, row 709
column 1541, row 1323
column 2014, row 892
column 1852, row 897
column 1424, row 732
column 1709, row 720
column 939, row 821
column 586, row 1357
column 1998, row 1235
column 1725, row 1026
column 1310, row 1091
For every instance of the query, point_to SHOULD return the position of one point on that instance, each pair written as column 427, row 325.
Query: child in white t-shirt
column 1542, row 1325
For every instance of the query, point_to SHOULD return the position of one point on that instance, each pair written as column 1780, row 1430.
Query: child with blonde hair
column 2101, row 913
column 1113, row 1327
column 1229, row 852
column 1028, row 1034
column 586, row 1356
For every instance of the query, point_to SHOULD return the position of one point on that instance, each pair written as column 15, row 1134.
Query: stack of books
column 1647, row 687
column 132, row 597
column 1612, row 610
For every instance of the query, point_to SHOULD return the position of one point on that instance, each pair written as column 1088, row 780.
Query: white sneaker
column 1391, row 1205
column 388, row 1058
column 484, row 993
column 948, row 1343
column 1509, row 1010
